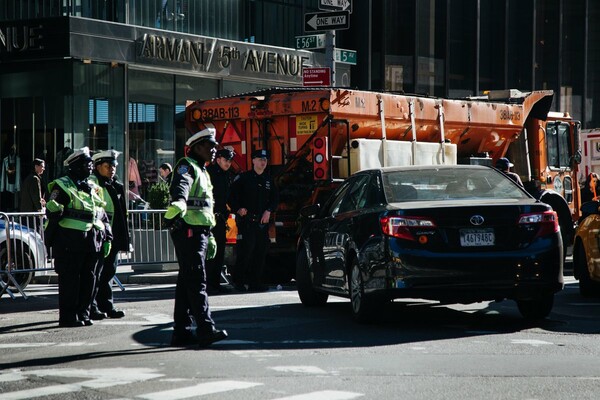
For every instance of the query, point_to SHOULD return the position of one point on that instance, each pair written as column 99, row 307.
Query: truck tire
column 308, row 295
column 560, row 205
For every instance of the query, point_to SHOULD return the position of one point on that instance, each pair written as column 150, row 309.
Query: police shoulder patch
column 183, row 169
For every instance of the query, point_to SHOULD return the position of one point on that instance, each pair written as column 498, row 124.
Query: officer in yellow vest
column 190, row 217
column 113, row 193
column 79, row 233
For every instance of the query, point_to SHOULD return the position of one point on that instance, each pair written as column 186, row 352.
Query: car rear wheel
column 20, row 260
column 587, row 287
column 537, row 308
column 308, row 295
column 363, row 306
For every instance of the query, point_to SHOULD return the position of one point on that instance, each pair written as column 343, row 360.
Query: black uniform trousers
column 190, row 292
column 76, row 281
column 103, row 295
column 251, row 251
column 215, row 266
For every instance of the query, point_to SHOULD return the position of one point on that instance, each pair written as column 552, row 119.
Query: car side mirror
column 310, row 211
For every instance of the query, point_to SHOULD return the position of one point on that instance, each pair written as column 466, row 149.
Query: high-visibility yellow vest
column 200, row 199
column 83, row 211
column 105, row 196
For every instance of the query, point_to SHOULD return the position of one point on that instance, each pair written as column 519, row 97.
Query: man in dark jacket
column 31, row 190
column 253, row 197
column 79, row 233
column 113, row 193
column 221, row 178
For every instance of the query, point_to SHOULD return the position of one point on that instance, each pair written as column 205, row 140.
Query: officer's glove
column 106, row 248
column 211, row 250
column 173, row 219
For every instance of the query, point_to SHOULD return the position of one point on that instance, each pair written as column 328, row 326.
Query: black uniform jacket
column 256, row 193
column 221, row 181
column 120, row 231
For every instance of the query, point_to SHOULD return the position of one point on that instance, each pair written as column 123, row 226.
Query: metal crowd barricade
column 150, row 243
column 22, row 251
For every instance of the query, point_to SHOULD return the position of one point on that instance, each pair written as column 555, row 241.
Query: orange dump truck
column 318, row 136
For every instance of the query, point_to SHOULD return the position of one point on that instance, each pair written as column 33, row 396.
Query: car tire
column 587, row 287
column 363, row 305
column 20, row 260
column 537, row 308
column 308, row 295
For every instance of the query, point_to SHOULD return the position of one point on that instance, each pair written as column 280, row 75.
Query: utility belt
column 85, row 216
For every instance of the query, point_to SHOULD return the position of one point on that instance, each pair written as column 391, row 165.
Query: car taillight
column 547, row 221
column 400, row 227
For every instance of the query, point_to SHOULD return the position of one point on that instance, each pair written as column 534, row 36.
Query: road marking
column 101, row 378
column 255, row 353
column 199, row 390
column 304, row 369
column 531, row 342
column 324, row 395
column 19, row 345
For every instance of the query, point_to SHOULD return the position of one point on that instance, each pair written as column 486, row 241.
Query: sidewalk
column 126, row 275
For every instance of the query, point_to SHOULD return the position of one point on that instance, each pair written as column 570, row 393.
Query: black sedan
column 456, row 234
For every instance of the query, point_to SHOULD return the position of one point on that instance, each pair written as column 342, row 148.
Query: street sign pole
column 330, row 54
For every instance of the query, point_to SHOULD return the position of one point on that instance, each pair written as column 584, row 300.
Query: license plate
column 477, row 237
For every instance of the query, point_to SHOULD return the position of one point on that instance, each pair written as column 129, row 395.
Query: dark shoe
column 87, row 322
column 209, row 338
column 183, row 340
column 98, row 316
column 114, row 313
column 70, row 324
column 258, row 288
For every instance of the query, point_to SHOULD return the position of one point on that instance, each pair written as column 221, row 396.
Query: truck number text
column 510, row 115
column 309, row 106
column 220, row 112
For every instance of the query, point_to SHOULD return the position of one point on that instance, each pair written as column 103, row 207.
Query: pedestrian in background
column 32, row 199
column 165, row 171
column 221, row 178
column 190, row 218
column 79, row 233
column 590, row 189
column 504, row 165
column 113, row 194
column 254, row 198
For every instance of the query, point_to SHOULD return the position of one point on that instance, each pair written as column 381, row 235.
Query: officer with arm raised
column 190, row 218
column 79, row 233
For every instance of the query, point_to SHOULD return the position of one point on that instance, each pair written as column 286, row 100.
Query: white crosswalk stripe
column 104, row 378
column 199, row 390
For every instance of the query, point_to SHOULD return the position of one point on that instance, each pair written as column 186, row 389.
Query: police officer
column 221, row 178
column 113, row 194
column 253, row 197
column 190, row 218
column 79, row 233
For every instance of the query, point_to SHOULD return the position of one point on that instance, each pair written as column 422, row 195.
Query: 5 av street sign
column 326, row 21
column 335, row 5
column 345, row 56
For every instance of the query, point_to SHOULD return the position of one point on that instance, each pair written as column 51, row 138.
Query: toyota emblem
column 476, row 220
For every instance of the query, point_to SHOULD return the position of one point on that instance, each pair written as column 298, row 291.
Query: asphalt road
column 278, row 349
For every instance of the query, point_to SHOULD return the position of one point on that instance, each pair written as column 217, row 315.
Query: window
column 355, row 194
column 557, row 142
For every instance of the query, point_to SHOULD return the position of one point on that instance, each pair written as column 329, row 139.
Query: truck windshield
column 558, row 145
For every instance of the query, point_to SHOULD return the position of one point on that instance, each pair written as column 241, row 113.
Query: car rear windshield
column 449, row 184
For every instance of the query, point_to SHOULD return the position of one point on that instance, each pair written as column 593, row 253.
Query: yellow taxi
column 586, row 250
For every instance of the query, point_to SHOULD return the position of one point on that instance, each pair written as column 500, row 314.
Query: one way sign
column 326, row 21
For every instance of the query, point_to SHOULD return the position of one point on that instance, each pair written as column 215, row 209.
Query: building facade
column 117, row 73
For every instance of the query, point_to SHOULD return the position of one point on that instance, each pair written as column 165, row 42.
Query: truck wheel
column 537, row 308
column 308, row 295
column 587, row 287
column 363, row 306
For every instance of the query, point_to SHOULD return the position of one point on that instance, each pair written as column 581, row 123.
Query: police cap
column 106, row 156
column 209, row 134
column 260, row 153
column 225, row 153
column 79, row 156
